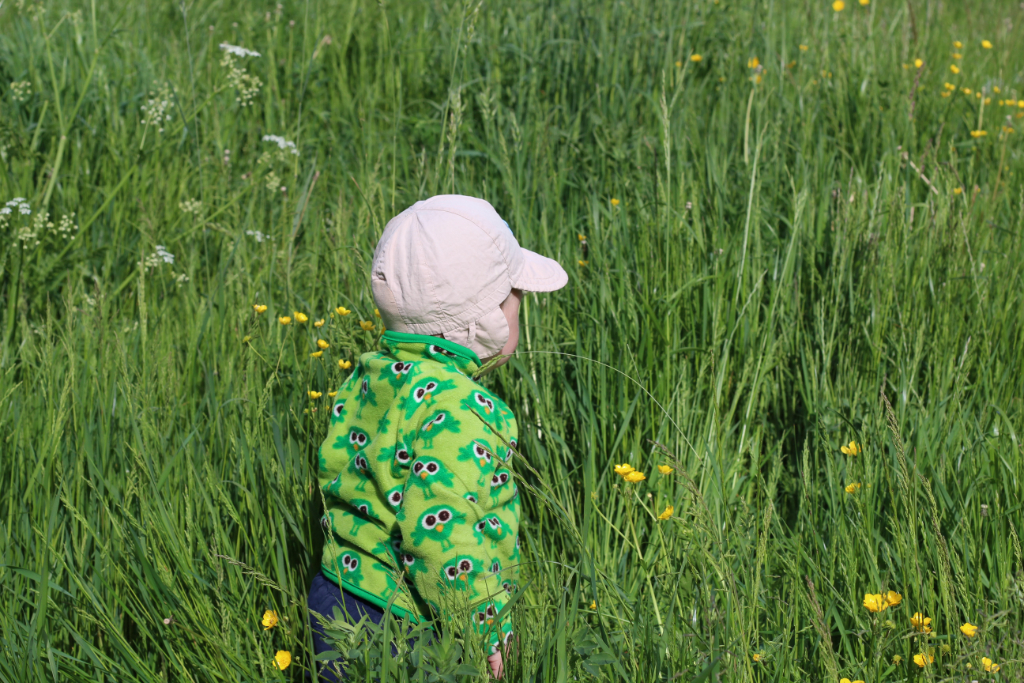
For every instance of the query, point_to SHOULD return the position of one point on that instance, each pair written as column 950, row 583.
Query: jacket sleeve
column 460, row 510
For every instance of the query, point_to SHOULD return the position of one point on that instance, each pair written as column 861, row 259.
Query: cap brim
column 540, row 274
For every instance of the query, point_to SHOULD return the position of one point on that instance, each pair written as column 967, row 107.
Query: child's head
column 449, row 266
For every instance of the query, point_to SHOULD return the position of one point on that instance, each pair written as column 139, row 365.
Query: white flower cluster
column 258, row 236
column 156, row 110
column 272, row 182
column 66, row 229
column 161, row 255
column 238, row 51
column 21, row 90
column 287, row 146
column 191, row 206
column 246, row 85
column 19, row 203
column 180, row 280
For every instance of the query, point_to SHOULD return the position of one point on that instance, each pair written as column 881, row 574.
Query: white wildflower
column 66, row 229
column 180, row 280
column 258, row 236
column 191, row 206
column 21, row 90
column 246, row 85
column 285, row 145
column 156, row 110
column 161, row 255
column 272, row 181
column 238, row 51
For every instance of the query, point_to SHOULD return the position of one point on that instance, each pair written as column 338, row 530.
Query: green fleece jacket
column 419, row 502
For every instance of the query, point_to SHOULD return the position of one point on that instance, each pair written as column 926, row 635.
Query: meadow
column 793, row 231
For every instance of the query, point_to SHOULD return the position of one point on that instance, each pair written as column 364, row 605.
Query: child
column 412, row 469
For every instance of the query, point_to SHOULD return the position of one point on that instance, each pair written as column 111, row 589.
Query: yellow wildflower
column 285, row 320
column 342, row 311
column 282, row 659
column 791, row 64
column 321, row 344
column 753, row 63
column 332, row 394
column 958, row 190
column 593, row 604
column 376, row 312
column 246, row 339
column 892, row 598
column 615, row 202
column 949, row 86
column 954, row 68
column 988, row 665
column 897, row 659
column 319, row 323
column 1007, row 129
column 581, row 237
column 995, row 89
column 853, row 488
column 988, row 101
column 665, row 469
column 582, row 263
column 838, row 5
column 979, row 133
column 269, row 620
column 756, row 657
column 966, row 91
column 804, row 48
column 920, row 622
column 944, row 94
column 344, row 364
column 957, row 55
column 923, row 659
column 316, row 354
column 864, row 3
column 300, row 317
column 853, row 448
column 624, row 469
column 987, row 45
column 366, row 325
column 874, row 602
column 314, row 395
column 667, row 514
column 695, row 58
column 1020, row 104
column 957, row 44
column 635, row 477
column 679, row 64
column 259, row 308
column 969, row 630
column 918, row 63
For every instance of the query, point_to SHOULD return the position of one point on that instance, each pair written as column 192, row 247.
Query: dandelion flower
column 635, row 477
column 969, row 630
column 920, row 622
column 285, row 320
column 966, row 91
column 838, row 5
column 342, row 311
column 269, row 620
column 923, row 659
column 918, row 63
column 300, row 317
column 853, row 448
column 988, row 665
column 852, row 488
column 282, row 659
column 892, row 598
column 864, row 3
column 344, row 364
column 753, row 63
column 321, row 344
column 986, row 44
column 316, row 354
column 958, row 190
column 996, row 90
column 954, row 68
column 804, row 48
column 319, row 323
column 614, row 202
column 695, row 58
column 979, row 133
column 623, row 470
column 874, row 602
column 259, row 308
column 593, row 604
column 667, row 514
column 581, row 237
column 314, row 395
column 957, row 44
column 332, row 394
column 665, row 469
column 366, row 325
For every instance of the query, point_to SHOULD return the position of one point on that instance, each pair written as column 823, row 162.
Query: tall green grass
column 787, row 266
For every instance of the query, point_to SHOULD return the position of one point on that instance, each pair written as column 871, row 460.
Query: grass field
column 783, row 234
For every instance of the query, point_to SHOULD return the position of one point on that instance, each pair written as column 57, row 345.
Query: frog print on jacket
column 406, row 473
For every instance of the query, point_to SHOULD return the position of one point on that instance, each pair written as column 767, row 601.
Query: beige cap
column 445, row 264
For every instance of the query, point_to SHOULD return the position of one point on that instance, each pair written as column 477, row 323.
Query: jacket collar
column 404, row 346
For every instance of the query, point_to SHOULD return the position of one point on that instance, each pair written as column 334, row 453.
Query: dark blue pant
column 324, row 595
